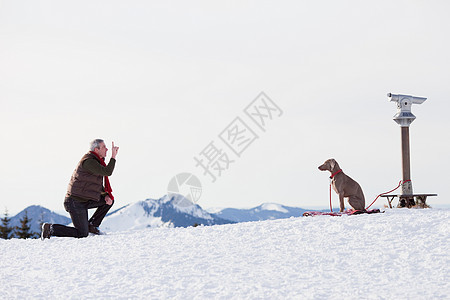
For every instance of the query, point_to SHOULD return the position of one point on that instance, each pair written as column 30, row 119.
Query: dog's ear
column 332, row 163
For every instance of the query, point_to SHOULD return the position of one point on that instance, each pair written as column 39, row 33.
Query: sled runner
column 338, row 214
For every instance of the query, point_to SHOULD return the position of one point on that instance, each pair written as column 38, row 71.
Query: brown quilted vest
column 84, row 184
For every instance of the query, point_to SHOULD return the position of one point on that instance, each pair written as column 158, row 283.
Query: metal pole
column 406, row 163
column 407, row 189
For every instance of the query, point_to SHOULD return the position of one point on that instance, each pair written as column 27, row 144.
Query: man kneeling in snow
column 86, row 191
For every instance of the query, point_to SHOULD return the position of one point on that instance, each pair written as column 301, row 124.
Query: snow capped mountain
column 169, row 211
column 274, row 207
column 39, row 214
column 266, row 211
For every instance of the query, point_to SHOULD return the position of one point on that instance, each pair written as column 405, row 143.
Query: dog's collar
column 334, row 174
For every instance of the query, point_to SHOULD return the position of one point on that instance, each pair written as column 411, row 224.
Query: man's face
column 101, row 151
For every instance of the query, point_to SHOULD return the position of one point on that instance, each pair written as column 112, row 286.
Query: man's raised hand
column 114, row 151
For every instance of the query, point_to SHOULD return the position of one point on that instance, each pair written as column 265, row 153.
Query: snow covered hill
column 169, row 211
column 401, row 254
column 266, row 211
column 39, row 214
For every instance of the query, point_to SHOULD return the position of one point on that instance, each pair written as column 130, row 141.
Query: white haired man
column 86, row 191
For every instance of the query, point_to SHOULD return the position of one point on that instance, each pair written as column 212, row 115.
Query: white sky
column 164, row 79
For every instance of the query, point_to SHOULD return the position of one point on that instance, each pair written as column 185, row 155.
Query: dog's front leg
column 341, row 202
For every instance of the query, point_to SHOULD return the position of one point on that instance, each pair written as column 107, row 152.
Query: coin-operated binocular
column 404, row 116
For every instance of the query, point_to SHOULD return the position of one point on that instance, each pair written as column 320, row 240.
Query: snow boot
column 93, row 229
column 46, row 231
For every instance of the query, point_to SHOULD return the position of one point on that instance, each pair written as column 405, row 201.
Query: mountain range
column 171, row 210
column 37, row 215
column 266, row 211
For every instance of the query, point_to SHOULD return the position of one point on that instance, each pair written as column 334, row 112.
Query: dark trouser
column 79, row 213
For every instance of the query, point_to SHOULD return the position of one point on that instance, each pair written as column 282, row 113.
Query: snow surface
column 401, row 254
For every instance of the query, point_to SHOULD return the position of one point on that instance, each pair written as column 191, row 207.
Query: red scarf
column 108, row 188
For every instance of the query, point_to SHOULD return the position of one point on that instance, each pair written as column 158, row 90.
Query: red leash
column 399, row 184
column 331, row 177
column 331, row 206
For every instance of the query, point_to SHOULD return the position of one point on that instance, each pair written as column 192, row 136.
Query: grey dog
column 344, row 186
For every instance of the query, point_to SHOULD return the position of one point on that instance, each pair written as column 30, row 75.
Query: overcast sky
column 165, row 79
